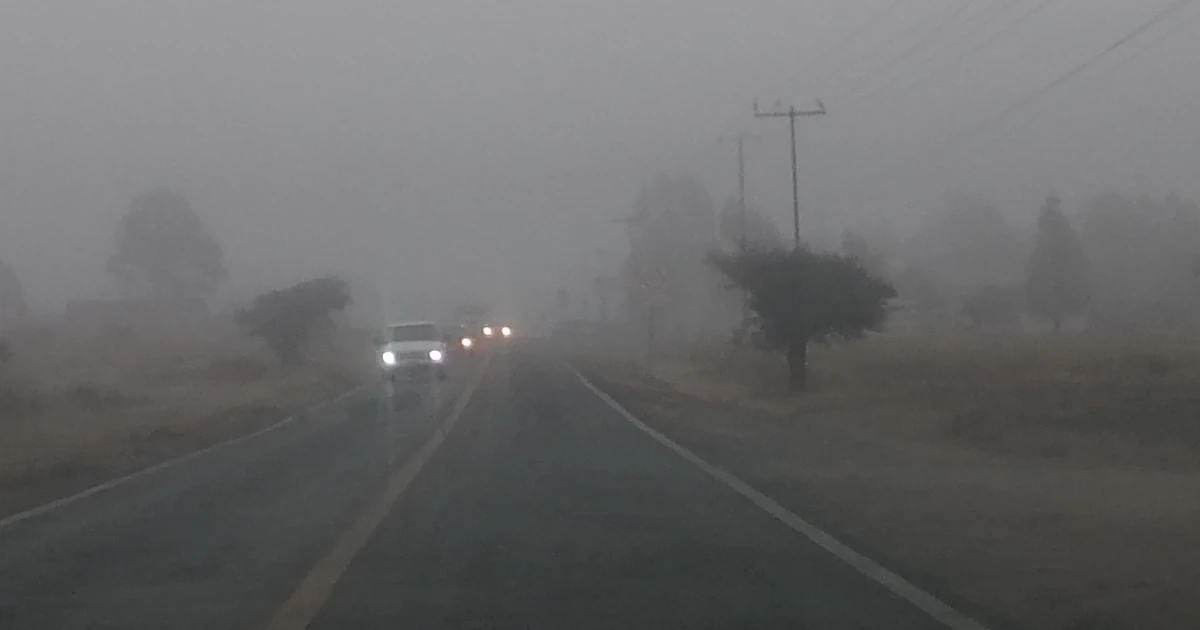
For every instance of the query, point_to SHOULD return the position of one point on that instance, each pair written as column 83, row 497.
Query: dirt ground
column 81, row 406
column 1053, row 482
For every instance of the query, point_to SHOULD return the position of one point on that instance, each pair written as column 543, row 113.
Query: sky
column 448, row 150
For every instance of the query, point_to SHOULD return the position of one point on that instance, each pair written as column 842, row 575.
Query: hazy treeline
column 169, row 267
column 1109, row 261
column 673, row 226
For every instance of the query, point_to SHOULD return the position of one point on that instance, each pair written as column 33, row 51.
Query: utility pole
column 741, row 193
column 741, row 138
column 792, row 113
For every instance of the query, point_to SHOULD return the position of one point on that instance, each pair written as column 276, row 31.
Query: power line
column 1062, row 79
column 842, row 68
column 912, row 49
column 980, row 45
column 856, row 33
column 1179, row 26
column 1037, row 93
column 989, row 18
column 1163, row 37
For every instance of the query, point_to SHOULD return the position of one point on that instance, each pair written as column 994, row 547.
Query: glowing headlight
column 467, row 342
column 388, row 358
column 435, row 356
column 487, row 331
column 506, row 331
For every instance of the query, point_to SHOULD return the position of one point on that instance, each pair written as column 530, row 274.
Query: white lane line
column 13, row 519
column 924, row 601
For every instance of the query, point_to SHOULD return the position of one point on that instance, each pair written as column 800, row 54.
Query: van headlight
column 435, row 356
column 506, row 331
column 388, row 357
column 467, row 342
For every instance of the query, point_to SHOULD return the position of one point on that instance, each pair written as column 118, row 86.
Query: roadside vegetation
column 1019, row 425
column 287, row 319
column 1051, row 479
column 1105, row 403
column 800, row 297
column 87, row 404
column 115, row 385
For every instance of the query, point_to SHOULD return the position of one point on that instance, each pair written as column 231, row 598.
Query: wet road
column 510, row 496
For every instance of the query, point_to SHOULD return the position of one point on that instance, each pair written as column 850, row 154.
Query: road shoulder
column 816, row 472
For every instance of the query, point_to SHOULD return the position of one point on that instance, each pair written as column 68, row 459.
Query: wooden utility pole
column 741, row 139
column 791, row 114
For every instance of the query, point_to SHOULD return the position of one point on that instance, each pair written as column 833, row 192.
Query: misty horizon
column 367, row 139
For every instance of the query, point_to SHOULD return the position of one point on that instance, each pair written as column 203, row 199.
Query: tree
column 800, row 296
column 753, row 229
column 916, row 288
column 993, row 304
column 1140, row 249
column 163, row 250
column 12, row 296
column 1056, row 284
column 856, row 248
column 673, row 225
column 287, row 318
column 967, row 243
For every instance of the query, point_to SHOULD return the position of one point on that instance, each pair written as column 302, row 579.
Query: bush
column 800, row 296
column 286, row 318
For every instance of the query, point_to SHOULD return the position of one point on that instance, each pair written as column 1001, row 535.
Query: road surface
column 510, row 496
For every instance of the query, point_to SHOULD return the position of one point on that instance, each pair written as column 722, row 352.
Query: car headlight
column 467, row 342
column 388, row 357
column 487, row 331
column 435, row 356
column 506, row 331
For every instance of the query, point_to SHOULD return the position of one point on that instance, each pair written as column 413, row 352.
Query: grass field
column 1103, row 402
column 1052, row 479
column 77, row 404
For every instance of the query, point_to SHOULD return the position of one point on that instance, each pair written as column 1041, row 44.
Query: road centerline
column 918, row 597
column 310, row 596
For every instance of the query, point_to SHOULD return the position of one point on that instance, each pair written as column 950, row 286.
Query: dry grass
column 75, row 403
column 1082, row 399
column 1050, row 478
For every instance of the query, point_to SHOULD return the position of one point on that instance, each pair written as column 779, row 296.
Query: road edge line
column 893, row 582
column 44, row 508
column 309, row 597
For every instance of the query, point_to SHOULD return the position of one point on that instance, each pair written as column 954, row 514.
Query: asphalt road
column 510, row 496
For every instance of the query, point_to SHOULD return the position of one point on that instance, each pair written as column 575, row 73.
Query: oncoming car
column 413, row 348
column 461, row 339
column 496, row 331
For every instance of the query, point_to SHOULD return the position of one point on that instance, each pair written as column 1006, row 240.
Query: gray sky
column 466, row 144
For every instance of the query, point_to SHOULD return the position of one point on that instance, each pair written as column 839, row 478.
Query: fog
column 439, row 151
